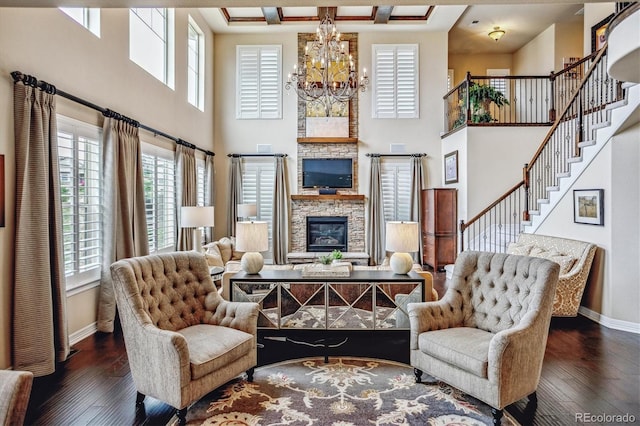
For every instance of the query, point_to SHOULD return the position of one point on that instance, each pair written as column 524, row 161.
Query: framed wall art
column 599, row 33
column 588, row 207
column 451, row 167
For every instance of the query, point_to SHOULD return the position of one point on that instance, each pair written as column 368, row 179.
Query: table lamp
column 252, row 238
column 401, row 238
column 196, row 217
column 247, row 211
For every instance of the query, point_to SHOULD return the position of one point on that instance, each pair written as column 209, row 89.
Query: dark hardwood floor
column 588, row 370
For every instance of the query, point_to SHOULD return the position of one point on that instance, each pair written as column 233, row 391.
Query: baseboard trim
column 616, row 324
column 83, row 333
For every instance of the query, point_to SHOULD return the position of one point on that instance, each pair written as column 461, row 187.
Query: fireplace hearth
column 327, row 233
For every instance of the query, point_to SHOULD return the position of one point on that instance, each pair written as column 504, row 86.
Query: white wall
column 49, row 45
column 536, row 57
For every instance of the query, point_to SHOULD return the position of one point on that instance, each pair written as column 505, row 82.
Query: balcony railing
column 512, row 100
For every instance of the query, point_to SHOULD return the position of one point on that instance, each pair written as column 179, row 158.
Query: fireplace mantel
column 317, row 197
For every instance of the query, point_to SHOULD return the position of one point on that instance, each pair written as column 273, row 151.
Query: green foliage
column 336, row 255
column 480, row 97
column 326, row 260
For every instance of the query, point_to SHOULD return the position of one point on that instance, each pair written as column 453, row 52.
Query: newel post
column 468, row 97
column 525, row 177
column 462, row 228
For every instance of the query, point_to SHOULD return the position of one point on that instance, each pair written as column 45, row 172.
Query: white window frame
column 155, row 154
column 144, row 28
column 81, row 134
column 395, row 174
column 88, row 17
column 501, row 84
column 258, row 82
column 195, row 65
column 396, row 81
column 262, row 171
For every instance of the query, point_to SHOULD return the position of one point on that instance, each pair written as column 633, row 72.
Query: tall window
column 395, row 81
column 195, row 65
column 88, row 17
column 80, row 158
column 258, row 82
column 200, row 182
column 258, row 180
column 396, row 181
column 151, row 41
column 499, row 83
column 159, row 195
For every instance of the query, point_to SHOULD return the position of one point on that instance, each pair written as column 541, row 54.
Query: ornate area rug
column 345, row 392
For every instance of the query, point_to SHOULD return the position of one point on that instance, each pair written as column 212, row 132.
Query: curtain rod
column 418, row 154
column 256, row 155
column 51, row 89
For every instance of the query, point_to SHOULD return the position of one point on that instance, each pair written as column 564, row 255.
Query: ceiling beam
column 383, row 13
column 331, row 11
column 271, row 15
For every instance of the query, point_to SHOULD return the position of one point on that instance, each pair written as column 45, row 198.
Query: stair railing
column 585, row 111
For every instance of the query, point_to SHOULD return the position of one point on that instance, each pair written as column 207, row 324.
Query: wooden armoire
column 439, row 226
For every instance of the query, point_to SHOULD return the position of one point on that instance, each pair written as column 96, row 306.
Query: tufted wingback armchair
column 182, row 338
column 15, row 390
column 487, row 335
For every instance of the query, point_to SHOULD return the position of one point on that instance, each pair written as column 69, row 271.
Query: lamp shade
column 252, row 236
column 402, row 236
column 247, row 210
column 196, row 216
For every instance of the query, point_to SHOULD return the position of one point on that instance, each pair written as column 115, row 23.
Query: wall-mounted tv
column 327, row 172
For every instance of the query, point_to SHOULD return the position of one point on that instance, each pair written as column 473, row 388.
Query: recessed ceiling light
column 474, row 22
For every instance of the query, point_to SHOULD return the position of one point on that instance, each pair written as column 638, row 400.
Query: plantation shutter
column 395, row 81
column 258, row 180
column 259, row 93
column 396, row 183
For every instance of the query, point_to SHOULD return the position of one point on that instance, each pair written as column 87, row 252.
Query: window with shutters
column 258, row 82
column 395, row 81
column 195, row 65
column 151, row 41
column 88, row 17
column 258, row 180
column 80, row 159
column 200, row 182
column 159, row 196
column 396, row 183
column 499, row 84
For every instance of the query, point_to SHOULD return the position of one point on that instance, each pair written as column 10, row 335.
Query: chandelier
column 326, row 73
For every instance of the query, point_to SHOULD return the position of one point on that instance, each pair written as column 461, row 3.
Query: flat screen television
column 327, row 172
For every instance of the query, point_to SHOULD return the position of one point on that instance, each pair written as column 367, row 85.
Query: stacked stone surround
column 352, row 209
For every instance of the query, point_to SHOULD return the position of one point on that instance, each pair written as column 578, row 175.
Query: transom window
column 258, row 82
column 80, row 159
column 395, row 81
column 88, row 17
column 195, row 65
column 151, row 41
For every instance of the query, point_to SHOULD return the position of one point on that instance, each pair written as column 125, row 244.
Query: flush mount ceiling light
column 496, row 34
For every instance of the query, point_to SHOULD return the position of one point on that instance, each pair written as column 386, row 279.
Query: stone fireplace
column 327, row 233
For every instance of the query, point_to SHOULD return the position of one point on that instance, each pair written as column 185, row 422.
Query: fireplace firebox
column 327, row 233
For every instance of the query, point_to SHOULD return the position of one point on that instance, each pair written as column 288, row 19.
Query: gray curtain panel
column 39, row 324
column 376, row 223
column 186, row 192
column 125, row 221
column 235, row 194
column 417, row 179
column 280, row 224
column 209, row 191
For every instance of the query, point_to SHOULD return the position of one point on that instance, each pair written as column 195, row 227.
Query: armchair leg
column 250, row 374
column 418, row 373
column 497, row 416
column 533, row 399
column 139, row 399
column 182, row 416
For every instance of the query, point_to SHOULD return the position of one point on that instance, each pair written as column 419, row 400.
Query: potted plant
column 480, row 98
column 336, row 255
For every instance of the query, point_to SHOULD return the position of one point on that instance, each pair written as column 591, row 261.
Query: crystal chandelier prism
column 326, row 73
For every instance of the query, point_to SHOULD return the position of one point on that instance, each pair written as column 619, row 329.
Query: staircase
column 594, row 113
